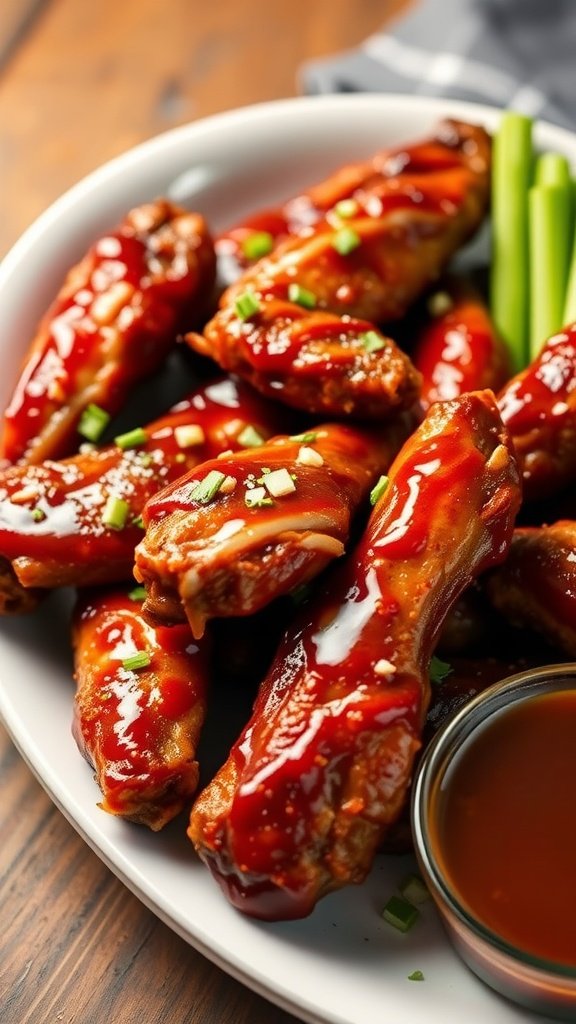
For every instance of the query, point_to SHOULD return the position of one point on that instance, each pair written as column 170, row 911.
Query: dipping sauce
column 503, row 825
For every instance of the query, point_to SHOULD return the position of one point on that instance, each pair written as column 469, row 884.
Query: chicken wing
column 539, row 408
column 139, row 708
column 536, row 586
column 76, row 522
column 458, row 348
column 252, row 525
column 409, row 210
column 112, row 323
column 300, row 322
column 314, row 361
column 323, row 767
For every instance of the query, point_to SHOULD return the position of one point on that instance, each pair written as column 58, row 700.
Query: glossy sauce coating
column 138, row 727
column 411, row 210
column 314, row 361
column 504, row 825
column 536, row 585
column 539, row 408
column 51, row 527
column 112, row 323
column 458, row 349
column 228, row 557
column 323, row 767
column 414, row 208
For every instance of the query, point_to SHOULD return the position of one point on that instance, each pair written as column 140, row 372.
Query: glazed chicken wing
column 408, row 213
column 394, row 179
column 317, row 362
column 253, row 525
column 539, row 408
column 76, row 522
column 536, row 586
column 113, row 322
column 323, row 767
column 300, row 322
column 458, row 348
column 139, row 709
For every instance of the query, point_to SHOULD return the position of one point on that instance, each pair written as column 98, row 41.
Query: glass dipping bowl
column 540, row 985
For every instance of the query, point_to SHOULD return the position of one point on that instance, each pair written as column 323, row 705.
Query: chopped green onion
column 38, row 515
column 438, row 670
column 258, row 244
column 247, row 305
column 307, row 438
column 414, row 890
column 137, row 594
column 379, row 489
column 372, row 341
column 552, row 169
column 132, row 439
column 250, row 438
column 115, row 513
column 416, row 976
column 140, row 659
column 346, row 240
column 146, row 459
column 400, row 914
column 206, row 489
column 511, row 172
column 93, row 422
column 346, row 208
column 301, row 296
column 138, row 521
column 549, row 208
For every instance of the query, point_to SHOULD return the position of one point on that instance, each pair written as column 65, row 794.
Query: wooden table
column 79, row 83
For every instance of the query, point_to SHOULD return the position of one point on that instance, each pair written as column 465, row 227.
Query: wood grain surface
column 79, row 83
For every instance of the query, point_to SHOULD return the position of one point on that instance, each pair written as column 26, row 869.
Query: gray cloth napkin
column 507, row 53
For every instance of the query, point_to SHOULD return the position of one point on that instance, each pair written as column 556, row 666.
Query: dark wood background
column 79, row 83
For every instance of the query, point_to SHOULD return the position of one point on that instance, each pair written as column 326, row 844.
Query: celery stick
column 552, row 169
column 569, row 316
column 549, row 214
column 509, row 277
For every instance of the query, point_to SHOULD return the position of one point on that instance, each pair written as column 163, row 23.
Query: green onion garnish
column 400, row 914
column 372, row 341
column 140, row 659
column 416, row 976
column 414, row 890
column 258, row 244
column 379, row 489
column 301, row 296
column 206, row 489
column 346, row 208
column 438, row 670
column 115, row 513
column 346, row 240
column 93, row 422
column 137, row 594
column 138, row 521
column 307, row 438
column 246, row 305
column 250, row 438
column 38, row 515
column 132, row 439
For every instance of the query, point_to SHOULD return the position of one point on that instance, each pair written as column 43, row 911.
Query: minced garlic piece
column 189, row 435
column 309, row 457
column 279, row 482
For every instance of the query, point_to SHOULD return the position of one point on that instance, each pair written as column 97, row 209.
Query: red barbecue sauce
column 505, row 825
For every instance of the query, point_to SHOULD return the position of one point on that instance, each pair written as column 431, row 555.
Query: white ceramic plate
column 342, row 965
